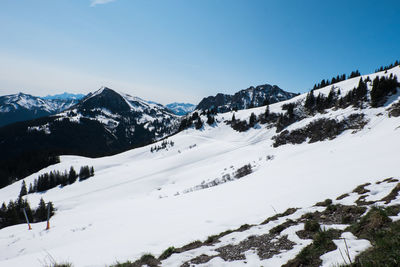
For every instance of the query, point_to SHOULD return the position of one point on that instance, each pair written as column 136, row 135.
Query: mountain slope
column 104, row 122
column 150, row 198
column 247, row 98
column 21, row 107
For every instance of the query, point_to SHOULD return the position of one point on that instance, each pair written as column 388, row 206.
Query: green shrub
column 312, row 226
column 371, row 223
column 167, row 253
column 324, row 203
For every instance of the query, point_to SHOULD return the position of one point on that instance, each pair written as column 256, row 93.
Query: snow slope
column 136, row 202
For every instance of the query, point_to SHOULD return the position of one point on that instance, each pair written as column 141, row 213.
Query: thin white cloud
column 100, row 2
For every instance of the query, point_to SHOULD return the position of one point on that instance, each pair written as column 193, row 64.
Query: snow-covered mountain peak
column 246, row 98
column 105, row 98
column 21, row 106
column 65, row 96
column 181, row 108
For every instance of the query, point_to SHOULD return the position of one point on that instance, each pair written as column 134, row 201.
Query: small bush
column 342, row 196
column 310, row 255
column 312, row 226
column 211, row 239
column 167, row 253
column 279, row 228
column 279, row 215
column 123, row 264
column 145, row 260
column 308, row 215
column 324, row 203
column 370, row 225
column 385, row 250
column 361, row 189
column 331, row 208
column 64, row 264
column 243, row 171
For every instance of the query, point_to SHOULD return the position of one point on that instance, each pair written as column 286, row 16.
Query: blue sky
column 183, row 50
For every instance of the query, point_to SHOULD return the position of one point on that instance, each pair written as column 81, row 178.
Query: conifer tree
column 252, row 120
column 12, row 213
column 361, row 90
column 84, row 173
column 3, row 215
column 266, row 112
column 41, row 211
column 330, row 97
column 210, row 119
column 199, row 123
column 72, row 176
column 310, row 101
column 31, row 190
column 23, row 190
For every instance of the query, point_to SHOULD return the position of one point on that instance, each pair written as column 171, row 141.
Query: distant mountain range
column 248, row 181
column 21, row 107
column 104, row 122
column 181, row 108
column 65, row 95
column 247, row 98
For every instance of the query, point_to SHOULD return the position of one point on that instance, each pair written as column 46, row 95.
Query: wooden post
column 48, row 216
column 27, row 220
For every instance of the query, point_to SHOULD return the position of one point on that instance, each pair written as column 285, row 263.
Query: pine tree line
column 189, row 121
column 164, row 145
column 396, row 63
column 381, row 88
column 357, row 97
column 336, row 79
column 53, row 179
column 195, row 119
column 12, row 213
column 243, row 171
column 12, row 169
column 210, row 113
column 244, row 125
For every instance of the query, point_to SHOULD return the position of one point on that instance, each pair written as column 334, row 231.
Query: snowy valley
column 193, row 185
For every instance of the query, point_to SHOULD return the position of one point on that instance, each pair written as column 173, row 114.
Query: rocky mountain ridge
column 247, row 98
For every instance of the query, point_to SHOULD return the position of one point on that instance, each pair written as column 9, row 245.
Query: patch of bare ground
column 394, row 110
column 362, row 202
column 392, row 195
column 266, row 245
column 336, row 214
column 288, row 212
column 203, row 258
column 361, row 189
column 342, row 196
column 388, row 180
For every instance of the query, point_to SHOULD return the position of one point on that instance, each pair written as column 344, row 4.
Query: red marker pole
column 48, row 217
column 27, row 220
